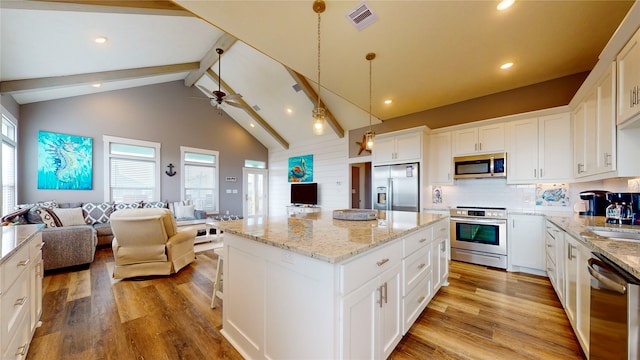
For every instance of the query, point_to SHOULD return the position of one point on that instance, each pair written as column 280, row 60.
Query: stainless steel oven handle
column 609, row 283
column 479, row 221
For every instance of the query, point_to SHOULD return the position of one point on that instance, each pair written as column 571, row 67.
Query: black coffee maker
column 595, row 202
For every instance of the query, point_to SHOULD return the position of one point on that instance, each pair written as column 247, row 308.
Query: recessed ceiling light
column 289, row 110
column 101, row 39
column 96, row 85
column 506, row 65
column 388, row 101
column 505, row 4
column 251, row 124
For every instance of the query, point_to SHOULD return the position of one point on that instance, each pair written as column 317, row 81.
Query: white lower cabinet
column 578, row 289
column 526, row 244
column 567, row 269
column 440, row 254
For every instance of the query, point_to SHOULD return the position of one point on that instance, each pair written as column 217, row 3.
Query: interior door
column 255, row 191
column 355, row 187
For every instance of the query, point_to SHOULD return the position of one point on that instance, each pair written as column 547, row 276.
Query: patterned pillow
column 48, row 217
column 32, row 216
column 155, row 204
column 97, row 213
column 133, row 205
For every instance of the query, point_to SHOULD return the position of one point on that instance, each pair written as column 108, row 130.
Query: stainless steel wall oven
column 479, row 236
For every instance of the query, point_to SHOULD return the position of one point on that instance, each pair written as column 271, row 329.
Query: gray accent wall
column 168, row 113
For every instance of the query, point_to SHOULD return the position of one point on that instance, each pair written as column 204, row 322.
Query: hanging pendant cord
column 370, row 94
column 318, row 60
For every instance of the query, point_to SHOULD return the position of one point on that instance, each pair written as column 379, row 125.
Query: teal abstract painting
column 301, row 168
column 65, row 162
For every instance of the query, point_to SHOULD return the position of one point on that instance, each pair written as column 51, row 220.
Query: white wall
column 330, row 171
column 496, row 193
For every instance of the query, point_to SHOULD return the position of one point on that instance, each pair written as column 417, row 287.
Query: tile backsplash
column 497, row 193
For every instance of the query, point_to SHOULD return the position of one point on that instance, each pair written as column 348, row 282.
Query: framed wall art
column 65, row 162
column 301, row 168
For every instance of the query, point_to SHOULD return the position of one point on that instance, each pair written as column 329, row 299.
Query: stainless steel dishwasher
column 615, row 309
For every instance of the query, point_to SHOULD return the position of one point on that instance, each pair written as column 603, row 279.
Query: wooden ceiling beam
column 16, row 86
column 224, row 42
column 148, row 7
column 313, row 96
column 265, row 125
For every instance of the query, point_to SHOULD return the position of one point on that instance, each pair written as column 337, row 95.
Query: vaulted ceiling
column 428, row 53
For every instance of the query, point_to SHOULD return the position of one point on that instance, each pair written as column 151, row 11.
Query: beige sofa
column 147, row 242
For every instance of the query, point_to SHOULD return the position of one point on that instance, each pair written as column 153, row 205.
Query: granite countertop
column 625, row 254
column 13, row 237
column 319, row 236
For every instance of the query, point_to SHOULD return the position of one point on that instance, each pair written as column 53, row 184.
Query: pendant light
column 318, row 112
column 370, row 134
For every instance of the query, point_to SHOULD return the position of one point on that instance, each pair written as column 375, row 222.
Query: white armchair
column 147, row 242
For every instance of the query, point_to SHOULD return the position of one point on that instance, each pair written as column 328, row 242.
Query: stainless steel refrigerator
column 396, row 187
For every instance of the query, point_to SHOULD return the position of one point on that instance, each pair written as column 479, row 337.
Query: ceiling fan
column 220, row 96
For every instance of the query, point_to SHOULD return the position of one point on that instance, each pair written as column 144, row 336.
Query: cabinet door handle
column 443, row 247
column 535, row 174
column 422, row 240
column 570, row 252
column 380, row 295
column 382, row 262
column 480, row 146
column 422, row 265
column 385, row 294
column 24, row 262
column 475, row 147
column 607, row 159
column 541, row 173
column 20, row 302
column 421, row 299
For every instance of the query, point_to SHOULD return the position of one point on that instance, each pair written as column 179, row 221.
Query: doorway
column 360, row 185
column 255, row 192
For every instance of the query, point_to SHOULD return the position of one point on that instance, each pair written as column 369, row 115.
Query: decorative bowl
column 355, row 214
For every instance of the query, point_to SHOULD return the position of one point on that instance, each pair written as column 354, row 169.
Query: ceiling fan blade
column 232, row 97
column 234, row 104
column 204, row 89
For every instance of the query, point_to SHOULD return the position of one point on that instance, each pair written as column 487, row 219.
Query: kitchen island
column 310, row 286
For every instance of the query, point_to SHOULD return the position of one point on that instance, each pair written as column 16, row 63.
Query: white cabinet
column 577, row 289
column 398, row 147
column 526, row 243
column 440, row 253
column 372, row 312
column 628, row 61
column 440, row 159
column 539, row 149
column 483, row 139
column 294, row 210
column 554, row 245
column 20, row 297
column 595, row 129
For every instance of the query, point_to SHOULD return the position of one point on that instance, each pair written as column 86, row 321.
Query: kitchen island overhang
column 315, row 287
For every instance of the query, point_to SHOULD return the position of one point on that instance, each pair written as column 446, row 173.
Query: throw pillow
column 133, row 205
column 32, row 216
column 48, row 217
column 69, row 216
column 155, row 204
column 97, row 213
column 184, row 212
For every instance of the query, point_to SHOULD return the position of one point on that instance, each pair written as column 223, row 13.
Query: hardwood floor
column 483, row 314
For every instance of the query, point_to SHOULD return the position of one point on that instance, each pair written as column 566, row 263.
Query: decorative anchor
column 170, row 172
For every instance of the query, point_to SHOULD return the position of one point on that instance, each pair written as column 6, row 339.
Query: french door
column 255, row 192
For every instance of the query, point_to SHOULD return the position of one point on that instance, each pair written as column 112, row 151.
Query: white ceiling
column 429, row 53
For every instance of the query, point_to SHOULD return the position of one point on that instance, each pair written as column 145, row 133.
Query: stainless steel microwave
column 480, row 166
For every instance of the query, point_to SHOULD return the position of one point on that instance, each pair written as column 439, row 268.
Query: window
column 132, row 169
column 200, row 178
column 255, row 164
column 8, row 171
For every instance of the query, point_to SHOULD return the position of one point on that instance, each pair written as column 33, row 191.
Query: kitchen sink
column 618, row 235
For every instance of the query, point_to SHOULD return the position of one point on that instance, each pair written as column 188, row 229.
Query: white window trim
column 186, row 149
column 14, row 142
column 107, row 140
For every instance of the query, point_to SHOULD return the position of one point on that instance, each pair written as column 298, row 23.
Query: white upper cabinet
column 483, row 139
column 628, row 61
column 594, row 127
column 539, row 149
column 440, row 159
column 398, row 147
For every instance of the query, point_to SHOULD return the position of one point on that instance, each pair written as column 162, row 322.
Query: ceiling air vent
column 362, row 16
column 256, row 107
column 296, row 87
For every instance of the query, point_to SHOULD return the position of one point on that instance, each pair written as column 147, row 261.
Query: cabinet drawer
column 441, row 230
column 35, row 246
column 369, row 265
column 416, row 301
column 417, row 240
column 14, row 306
column 19, row 344
column 415, row 267
column 14, row 267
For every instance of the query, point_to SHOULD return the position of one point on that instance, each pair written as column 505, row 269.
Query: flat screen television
column 304, row 193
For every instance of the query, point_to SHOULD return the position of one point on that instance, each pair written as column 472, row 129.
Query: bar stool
column 217, row 284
